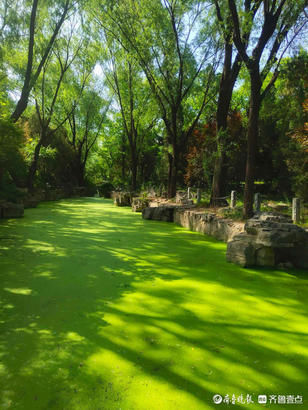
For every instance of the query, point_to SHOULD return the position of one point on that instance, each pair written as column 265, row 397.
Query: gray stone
column 31, row 201
column 286, row 265
column 159, row 213
column 198, row 196
column 121, row 198
column 233, row 199
column 272, row 240
column 296, row 210
column 257, row 202
column 187, row 202
column 180, row 196
column 138, row 204
column 10, row 210
column 220, row 202
column 189, row 193
column 265, row 256
column 241, row 250
column 207, row 223
column 54, row 194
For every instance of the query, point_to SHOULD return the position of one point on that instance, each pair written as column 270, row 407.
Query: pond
column 103, row 310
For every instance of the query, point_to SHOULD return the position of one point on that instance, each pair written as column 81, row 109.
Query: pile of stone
column 121, row 198
column 159, row 213
column 139, row 203
column 270, row 240
column 11, row 210
column 183, row 198
column 207, row 223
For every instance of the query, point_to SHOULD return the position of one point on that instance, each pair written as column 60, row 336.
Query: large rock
column 139, row 203
column 270, row 240
column 54, row 194
column 241, row 250
column 159, row 213
column 121, row 198
column 275, row 231
column 10, row 210
column 31, row 201
column 79, row 191
column 208, row 223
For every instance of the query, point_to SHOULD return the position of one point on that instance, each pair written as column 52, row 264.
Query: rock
column 180, row 196
column 278, row 207
column 159, row 213
column 138, row 204
column 121, row 198
column 264, row 256
column 186, row 202
column 219, row 202
column 31, row 201
column 287, row 265
column 10, row 210
column 275, row 231
column 207, row 223
column 270, row 240
column 54, row 194
column 79, row 191
column 241, row 250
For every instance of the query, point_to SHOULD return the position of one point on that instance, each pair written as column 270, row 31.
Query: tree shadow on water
column 102, row 309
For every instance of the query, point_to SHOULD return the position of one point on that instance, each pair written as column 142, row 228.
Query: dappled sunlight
column 19, row 291
column 101, row 309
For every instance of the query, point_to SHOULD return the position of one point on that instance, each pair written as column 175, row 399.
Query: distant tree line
column 138, row 93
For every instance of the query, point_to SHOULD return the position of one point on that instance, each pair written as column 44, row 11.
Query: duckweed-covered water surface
column 103, row 310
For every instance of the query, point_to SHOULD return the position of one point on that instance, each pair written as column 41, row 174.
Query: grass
column 103, row 310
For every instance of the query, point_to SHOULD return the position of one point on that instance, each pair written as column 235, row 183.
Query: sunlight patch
column 74, row 337
column 19, row 291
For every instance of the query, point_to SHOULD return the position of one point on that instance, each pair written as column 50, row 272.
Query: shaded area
column 103, row 310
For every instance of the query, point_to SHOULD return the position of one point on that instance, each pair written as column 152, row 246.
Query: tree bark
column 252, row 139
column 30, row 77
column 33, row 166
column 228, row 79
column 173, row 173
column 81, row 169
column 23, row 101
column 134, row 168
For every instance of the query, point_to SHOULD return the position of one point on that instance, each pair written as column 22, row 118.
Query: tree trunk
column 218, row 184
column 81, row 174
column 134, row 171
column 172, row 175
column 252, row 140
column 33, row 166
column 227, row 81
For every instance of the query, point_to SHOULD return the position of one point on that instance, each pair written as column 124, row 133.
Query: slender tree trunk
column 228, row 79
column 33, row 166
column 172, row 174
column 218, row 184
column 23, row 101
column 30, row 76
column 252, row 140
column 134, row 167
column 81, row 169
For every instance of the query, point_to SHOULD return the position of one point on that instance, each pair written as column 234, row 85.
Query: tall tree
column 53, row 72
column 160, row 36
column 37, row 57
column 134, row 99
column 85, row 124
column 278, row 23
column 230, row 72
